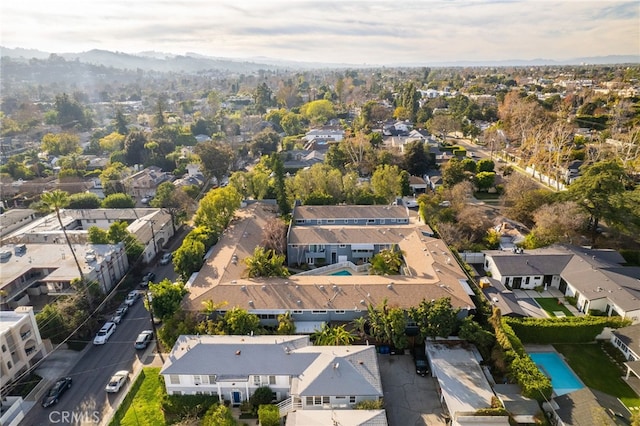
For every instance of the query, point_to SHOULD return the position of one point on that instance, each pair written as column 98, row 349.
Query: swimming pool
column 343, row 272
column 553, row 366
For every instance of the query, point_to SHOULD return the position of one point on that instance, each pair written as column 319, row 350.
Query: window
column 309, row 400
column 331, row 221
column 340, row 312
column 340, row 397
column 299, row 221
column 9, row 365
column 297, row 312
column 317, row 400
column 177, row 392
column 318, row 312
column 174, row 379
column 197, row 379
column 212, row 379
column 371, row 221
column 256, row 380
column 272, row 380
column 4, row 348
column 352, row 399
column 526, row 281
column 342, row 245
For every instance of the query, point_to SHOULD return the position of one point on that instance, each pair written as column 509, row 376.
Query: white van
column 105, row 332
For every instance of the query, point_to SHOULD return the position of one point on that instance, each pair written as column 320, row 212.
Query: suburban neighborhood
column 189, row 240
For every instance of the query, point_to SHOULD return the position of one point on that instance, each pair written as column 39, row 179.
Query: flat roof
column 463, row 384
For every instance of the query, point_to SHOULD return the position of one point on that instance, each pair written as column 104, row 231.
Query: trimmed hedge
column 521, row 367
column 181, row 406
column 562, row 330
column 126, row 402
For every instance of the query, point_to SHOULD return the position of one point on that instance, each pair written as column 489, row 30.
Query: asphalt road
column 87, row 403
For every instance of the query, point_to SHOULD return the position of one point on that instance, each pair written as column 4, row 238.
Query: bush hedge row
column 562, row 330
column 521, row 367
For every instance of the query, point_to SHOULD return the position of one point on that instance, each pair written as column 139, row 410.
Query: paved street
column 87, row 402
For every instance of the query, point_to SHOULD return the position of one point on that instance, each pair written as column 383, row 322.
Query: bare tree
column 275, row 236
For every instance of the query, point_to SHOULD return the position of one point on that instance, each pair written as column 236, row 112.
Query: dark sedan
column 56, row 391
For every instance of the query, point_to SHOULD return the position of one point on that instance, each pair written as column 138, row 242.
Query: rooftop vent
column 264, row 287
column 363, row 302
column 389, row 286
column 238, row 352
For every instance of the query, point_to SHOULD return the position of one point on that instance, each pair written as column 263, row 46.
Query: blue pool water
column 343, row 272
column 563, row 379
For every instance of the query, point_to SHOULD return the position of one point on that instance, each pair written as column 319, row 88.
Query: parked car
column 117, row 381
column 166, row 258
column 147, row 278
column 120, row 313
column 105, row 332
column 55, row 392
column 131, row 298
column 420, row 360
column 143, row 339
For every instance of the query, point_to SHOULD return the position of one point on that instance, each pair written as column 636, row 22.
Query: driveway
column 410, row 400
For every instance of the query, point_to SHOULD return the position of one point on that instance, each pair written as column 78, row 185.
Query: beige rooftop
column 434, row 273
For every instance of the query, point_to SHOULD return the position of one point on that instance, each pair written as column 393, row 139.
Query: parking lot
column 410, row 399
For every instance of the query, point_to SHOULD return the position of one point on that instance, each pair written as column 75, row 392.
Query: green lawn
column 550, row 304
column 597, row 371
column 146, row 401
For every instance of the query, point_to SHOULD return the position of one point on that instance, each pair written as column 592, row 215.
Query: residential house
column 595, row 278
column 145, row 182
column 417, row 184
column 301, row 158
column 14, row 219
column 338, row 237
column 151, row 226
column 587, row 407
column 301, row 376
column 335, row 134
column 50, row 269
column 20, row 343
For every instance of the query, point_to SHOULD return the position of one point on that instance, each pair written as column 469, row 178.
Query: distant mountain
column 194, row 62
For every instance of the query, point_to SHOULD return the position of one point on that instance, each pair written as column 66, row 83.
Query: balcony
column 25, row 335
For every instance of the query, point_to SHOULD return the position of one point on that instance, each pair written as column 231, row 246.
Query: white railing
column 288, row 405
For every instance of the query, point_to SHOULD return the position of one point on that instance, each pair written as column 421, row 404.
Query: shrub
column 179, row 406
column 370, row 404
column 262, row 396
column 562, row 330
column 269, row 415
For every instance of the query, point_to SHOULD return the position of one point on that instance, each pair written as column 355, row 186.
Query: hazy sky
column 346, row 31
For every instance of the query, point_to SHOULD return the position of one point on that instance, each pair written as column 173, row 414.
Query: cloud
column 356, row 31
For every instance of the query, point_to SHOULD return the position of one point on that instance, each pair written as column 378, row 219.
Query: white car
column 105, row 332
column 131, row 298
column 117, row 381
column 166, row 258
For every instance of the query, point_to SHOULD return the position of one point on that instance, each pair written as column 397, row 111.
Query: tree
column 69, row 113
column 386, row 262
column 387, row 182
column 332, row 336
column 55, row 201
column 217, row 208
column 292, row 124
column 266, row 263
column 166, row 298
column 471, row 331
column 595, row 190
column 388, row 324
column 187, row 259
column 286, row 324
column 237, row 321
column 120, row 122
column 219, row 415
column 522, row 198
column 261, row 396
column 318, row 112
column 265, row 143
column 84, row 200
column 269, row 415
column 275, row 236
column 416, row 160
column 558, row 222
column 98, row 236
column 435, row 318
column 485, row 165
column 134, row 148
column 111, row 178
column 118, row 201
column 60, row 144
column 174, row 201
column 112, row 142
column 216, row 158
column 453, row 173
column 262, row 97
column 485, row 180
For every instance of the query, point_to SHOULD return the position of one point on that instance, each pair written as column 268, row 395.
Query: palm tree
column 54, row 201
column 286, row 325
column 266, row 263
column 359, row 324
column 386, row 262
column 333, row 336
